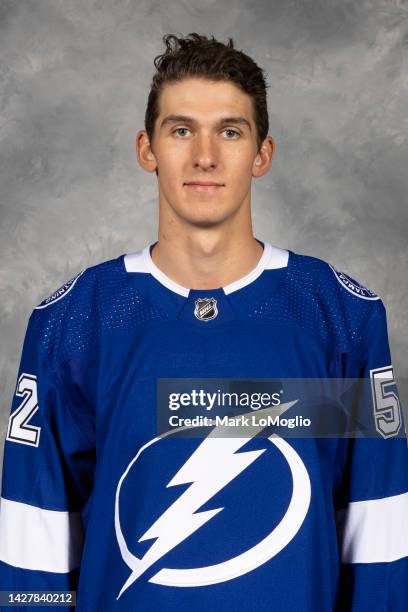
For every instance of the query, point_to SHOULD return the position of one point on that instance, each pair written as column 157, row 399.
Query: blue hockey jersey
column 93, row 500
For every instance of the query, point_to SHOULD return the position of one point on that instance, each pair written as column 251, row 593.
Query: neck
column 206, row 258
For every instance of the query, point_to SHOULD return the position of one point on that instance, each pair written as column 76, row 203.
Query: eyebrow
column 171, row 119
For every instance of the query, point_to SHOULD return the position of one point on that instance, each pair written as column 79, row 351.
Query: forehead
column 204, row 100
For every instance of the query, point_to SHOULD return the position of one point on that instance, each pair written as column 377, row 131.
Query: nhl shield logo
column 206, row 309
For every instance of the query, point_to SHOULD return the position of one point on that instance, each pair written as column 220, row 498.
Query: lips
column 203, row 184
column 203, row 187
column 209, row 187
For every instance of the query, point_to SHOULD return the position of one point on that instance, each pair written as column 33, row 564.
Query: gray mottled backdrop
column 74, row 79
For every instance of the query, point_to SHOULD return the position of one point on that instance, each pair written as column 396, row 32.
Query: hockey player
column 95, row 501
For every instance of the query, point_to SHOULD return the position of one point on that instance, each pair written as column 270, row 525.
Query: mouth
column 203, row 186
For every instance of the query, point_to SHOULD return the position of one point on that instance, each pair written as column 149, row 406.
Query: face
column 205, row 150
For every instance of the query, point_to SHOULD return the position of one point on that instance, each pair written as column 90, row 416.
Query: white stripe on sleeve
column 37, row 539
column 374, row 531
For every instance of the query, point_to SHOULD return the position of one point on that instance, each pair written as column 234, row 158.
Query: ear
column 263, row 159
column 145, row 155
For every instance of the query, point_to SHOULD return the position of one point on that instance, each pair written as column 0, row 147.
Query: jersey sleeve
column 47, row 472
column 372, row 506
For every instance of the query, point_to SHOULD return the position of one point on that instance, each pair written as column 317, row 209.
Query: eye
column 181, row 129
column 233, row 132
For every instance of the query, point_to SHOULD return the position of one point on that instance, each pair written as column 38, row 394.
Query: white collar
column 141, row 261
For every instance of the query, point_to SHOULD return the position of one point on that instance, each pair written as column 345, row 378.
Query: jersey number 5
column 387, row 410
column 18, row 428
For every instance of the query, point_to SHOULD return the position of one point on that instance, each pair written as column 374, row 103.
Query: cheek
column 239, row 162
column 172, row 165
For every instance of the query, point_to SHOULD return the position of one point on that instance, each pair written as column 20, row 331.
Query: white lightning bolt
column 209, row 469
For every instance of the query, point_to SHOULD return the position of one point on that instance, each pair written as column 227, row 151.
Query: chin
column 203, row 214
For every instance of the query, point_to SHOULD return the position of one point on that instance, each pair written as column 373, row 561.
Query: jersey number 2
column 18, row 428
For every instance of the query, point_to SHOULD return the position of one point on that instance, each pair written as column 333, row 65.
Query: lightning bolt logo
column 213, row 465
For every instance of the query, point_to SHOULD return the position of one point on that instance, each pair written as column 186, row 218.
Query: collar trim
column 271, row 259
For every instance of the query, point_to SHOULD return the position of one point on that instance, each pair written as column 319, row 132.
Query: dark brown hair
column 200, row 56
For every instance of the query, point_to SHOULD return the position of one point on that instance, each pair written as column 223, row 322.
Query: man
column 94, row 500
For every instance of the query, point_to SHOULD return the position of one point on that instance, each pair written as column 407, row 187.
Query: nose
column 204, row 152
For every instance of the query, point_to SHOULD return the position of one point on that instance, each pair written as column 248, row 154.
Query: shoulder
column 83, row 282
column 327, row 277
column 68, row 320
column 333, row 300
